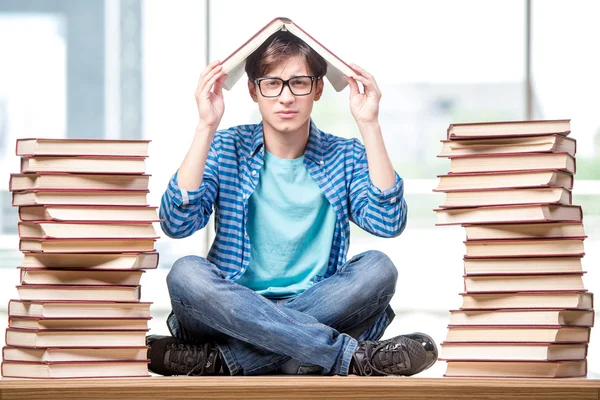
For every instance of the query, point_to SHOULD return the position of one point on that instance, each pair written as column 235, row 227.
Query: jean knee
column 382, row 269
column 187, row 272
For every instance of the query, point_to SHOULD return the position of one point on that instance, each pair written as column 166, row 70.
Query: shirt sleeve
column 380, row 212
column 184, row 212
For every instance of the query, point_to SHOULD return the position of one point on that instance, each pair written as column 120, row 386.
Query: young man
column 276, row 293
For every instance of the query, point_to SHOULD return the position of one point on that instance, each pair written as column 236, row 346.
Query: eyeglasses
column 273, row 87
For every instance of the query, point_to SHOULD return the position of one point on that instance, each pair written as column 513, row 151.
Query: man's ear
column 252, row 90
column 319, row 89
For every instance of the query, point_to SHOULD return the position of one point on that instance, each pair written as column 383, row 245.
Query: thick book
column 516, row 334
column 82, row 147
column 559, row 300
column 78, row 309
column 514, row 351
column 516, row 369
column 498, row 197
column 526, row 144
column 527, row 265
column 80, row 197
column 79, row 230
column 59, row 354
column 92, row 261
column 84, row 164
column 86, row 245
column 45, row 276
column 79, row 292
column 513, row 162
column 523, row 317
column 530, row 213
column 234, row 64
column 523, row 283
column 544, row 230
column 75, row 369
column 475, row 130
column 70, row 324
column 525, row 248
column 89, row 213
column 54, row 181
column 504, row 180
column 73, row 338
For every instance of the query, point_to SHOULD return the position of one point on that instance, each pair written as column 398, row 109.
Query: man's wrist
column 369, row 128
column 205, row 131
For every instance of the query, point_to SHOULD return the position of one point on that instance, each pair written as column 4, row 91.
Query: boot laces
column 192, row 359
column 389, row 356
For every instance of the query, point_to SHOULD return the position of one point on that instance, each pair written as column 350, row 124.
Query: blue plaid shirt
column 338, row 166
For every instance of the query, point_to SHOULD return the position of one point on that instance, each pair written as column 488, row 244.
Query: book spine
column 570, row 197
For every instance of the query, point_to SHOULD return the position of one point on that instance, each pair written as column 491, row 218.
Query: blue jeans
column 313, row 332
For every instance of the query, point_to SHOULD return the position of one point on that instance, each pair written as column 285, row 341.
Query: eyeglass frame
column 285, row 83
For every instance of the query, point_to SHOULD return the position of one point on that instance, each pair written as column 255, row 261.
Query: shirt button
column 254, row 173
column 244, row 196
column 393, row 200
column 321, row 162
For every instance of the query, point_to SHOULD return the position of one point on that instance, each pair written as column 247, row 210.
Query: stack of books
column 525, row 310
column 86, row 233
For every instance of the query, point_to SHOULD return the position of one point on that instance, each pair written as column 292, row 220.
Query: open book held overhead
column 234, row 64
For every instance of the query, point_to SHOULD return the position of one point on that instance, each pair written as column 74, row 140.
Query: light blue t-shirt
column 290, row 225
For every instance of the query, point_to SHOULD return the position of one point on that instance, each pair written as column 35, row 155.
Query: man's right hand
column 209, row 96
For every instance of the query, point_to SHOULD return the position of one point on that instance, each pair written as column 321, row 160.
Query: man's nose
column 286, row 95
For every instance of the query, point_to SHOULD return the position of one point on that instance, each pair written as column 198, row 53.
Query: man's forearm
column 381, row 171
column 192, row 168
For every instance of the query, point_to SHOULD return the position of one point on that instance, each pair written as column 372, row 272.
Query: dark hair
column 278, row 47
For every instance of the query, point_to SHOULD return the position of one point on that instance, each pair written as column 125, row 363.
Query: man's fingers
column 211, row 82
column 362, row 71
column 353, row 86
column 209, row 68
column 369, row 84
column 218, row 89
column 208, row 81
column 366, row 75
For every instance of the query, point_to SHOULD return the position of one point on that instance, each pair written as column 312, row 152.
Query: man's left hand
column 364, row 106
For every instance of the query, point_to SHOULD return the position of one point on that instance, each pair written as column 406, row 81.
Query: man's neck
column 287, row 145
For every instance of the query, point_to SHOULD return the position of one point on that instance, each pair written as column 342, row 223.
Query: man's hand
column 209, row 96
column 364, row 106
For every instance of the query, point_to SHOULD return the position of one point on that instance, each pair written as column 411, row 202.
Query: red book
column 92, row 261
column 479, row 130
column 514, row 214
column 120, row 245
column 516, row 369
column 80, row 197
column 43, row 338
column 75, row 369
column 45, row 276
column 68, row 354
column 82, row 230
column 88, row 213
column 79, row 292
column 526, row 144
column 78, row 309
column 84, row 164
column 81, row 147
column 55, row 181
column 234, row 64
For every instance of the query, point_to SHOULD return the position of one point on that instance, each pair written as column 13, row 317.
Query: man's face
column 287, row 113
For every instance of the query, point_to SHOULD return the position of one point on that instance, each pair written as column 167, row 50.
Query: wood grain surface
column 286, row 387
